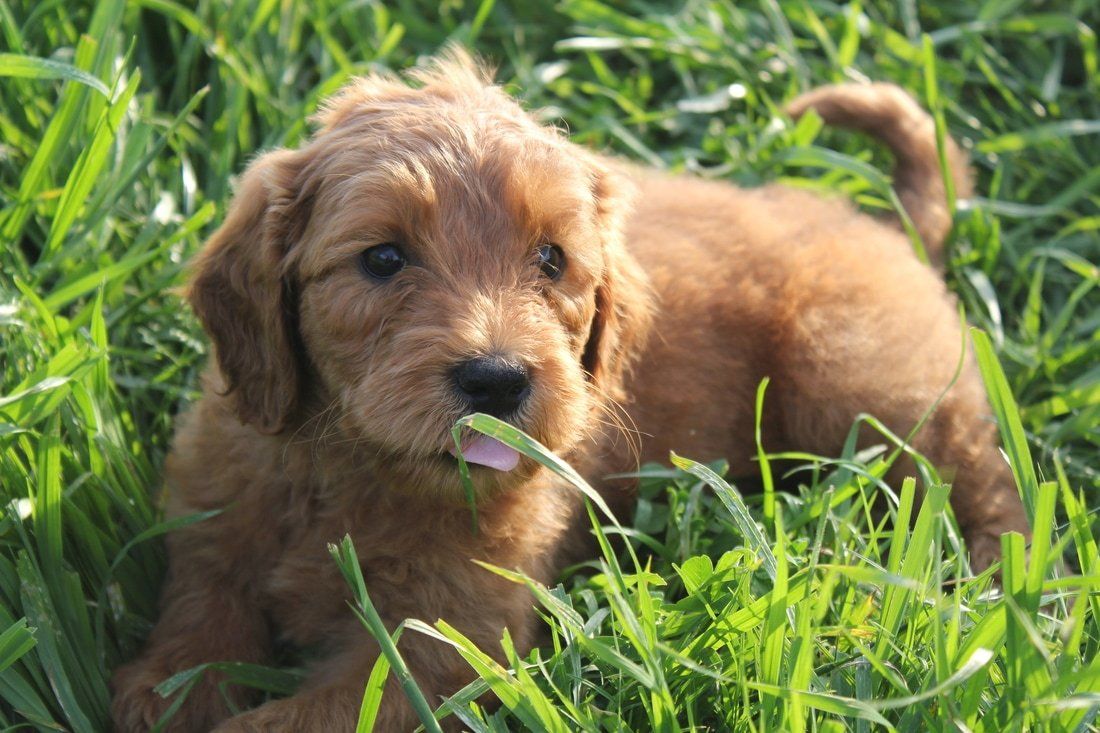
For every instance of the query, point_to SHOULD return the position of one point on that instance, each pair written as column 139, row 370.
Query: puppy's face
column 432, row 252
column 450, row 266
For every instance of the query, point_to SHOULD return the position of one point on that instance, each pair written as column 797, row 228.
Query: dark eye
column 382, row 261
column 551, row 261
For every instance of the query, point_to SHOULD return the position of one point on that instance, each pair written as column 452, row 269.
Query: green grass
column 121, row 126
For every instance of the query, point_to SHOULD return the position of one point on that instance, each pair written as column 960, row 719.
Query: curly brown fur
column 328, row 407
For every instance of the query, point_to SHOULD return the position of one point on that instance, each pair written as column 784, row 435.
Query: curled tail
column 887, row 112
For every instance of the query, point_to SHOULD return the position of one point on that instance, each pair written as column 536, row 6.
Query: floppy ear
column 624, row 300
column 243, row 296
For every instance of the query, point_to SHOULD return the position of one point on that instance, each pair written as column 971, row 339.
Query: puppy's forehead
column 444, row 179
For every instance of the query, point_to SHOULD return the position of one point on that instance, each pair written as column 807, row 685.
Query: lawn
column 122, row 126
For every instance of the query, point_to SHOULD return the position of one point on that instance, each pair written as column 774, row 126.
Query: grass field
column 123, row 124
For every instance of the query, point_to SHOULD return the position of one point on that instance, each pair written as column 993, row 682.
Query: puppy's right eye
column 551, row 260
column 382, row 261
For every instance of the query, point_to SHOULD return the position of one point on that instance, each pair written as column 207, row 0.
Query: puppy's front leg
column 209, row 614
column 330, row 700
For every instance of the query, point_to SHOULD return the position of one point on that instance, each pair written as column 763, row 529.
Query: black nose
column 493, row 384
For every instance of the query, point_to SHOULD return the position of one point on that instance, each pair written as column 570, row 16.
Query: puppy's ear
column 243, row 294
column 624, row 300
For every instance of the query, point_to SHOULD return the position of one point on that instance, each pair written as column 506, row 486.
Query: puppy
column 432, row 252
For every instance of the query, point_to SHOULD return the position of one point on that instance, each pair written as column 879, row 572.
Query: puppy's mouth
column 482, row 450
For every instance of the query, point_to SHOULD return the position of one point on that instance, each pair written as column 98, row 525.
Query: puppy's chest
column 305, row 594
column 415, row 558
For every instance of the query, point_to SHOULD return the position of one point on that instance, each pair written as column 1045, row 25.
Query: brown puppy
column 432, row 252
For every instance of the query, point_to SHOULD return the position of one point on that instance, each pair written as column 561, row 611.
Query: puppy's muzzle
column 492, row 384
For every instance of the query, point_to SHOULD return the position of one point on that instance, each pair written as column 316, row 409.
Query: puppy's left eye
column 382, row 261
column 551, row 261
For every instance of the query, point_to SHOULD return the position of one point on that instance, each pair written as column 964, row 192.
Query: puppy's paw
column 260, row 720
column 278, row 715
column 136, row 706
column 330, row 710
column 984, row 549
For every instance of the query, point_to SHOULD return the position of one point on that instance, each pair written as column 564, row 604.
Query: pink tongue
column 486, row 451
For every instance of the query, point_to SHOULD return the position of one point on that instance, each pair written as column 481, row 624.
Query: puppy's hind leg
column 962, row 435
column 875, row 332
column 877, row 335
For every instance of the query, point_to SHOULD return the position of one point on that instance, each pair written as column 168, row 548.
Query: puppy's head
column 431, row 252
